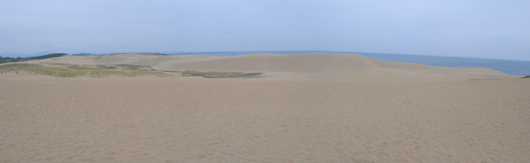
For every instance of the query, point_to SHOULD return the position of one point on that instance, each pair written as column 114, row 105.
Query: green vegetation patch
column 100, row 71
column 72, row 71
column 107, row 67
column 82, row 54
column 527, row 76
column 216, row 74
column 132, row 67
column 33, row 68
column 104, row 73
column 10, row 59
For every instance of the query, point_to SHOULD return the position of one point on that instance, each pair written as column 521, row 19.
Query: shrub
column 10, row 59
column 82, row 54
column 131, row 67
column 71, row 71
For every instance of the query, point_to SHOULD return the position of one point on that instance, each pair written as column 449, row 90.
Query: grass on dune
column 131, row 67
column 216, row 74
column 101, row 71
column 72, row 71
column 33, row 68
column 527, row 76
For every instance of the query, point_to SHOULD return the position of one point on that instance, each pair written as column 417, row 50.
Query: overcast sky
column 482, row 28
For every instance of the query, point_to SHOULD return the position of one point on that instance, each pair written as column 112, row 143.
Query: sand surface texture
column 305, row 108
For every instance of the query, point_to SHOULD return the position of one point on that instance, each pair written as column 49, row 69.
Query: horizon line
column 249, row 52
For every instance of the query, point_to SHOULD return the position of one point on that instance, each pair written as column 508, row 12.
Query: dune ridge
column 322, row 65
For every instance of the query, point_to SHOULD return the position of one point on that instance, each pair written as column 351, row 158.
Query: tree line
column 17, row 59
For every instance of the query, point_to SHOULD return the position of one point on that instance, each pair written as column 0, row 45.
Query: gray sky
column 482, row 28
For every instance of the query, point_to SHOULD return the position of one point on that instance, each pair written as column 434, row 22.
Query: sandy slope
column 301, row 63
column 317, row 66
column 343, row 109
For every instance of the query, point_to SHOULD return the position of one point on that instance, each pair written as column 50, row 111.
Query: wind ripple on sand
column 194, row 120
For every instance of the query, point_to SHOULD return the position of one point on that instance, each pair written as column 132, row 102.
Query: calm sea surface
column 512, row 67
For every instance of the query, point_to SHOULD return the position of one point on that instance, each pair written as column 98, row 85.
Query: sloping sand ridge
column 305, row 108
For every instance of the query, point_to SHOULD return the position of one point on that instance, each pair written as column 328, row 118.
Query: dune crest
column 324, row 65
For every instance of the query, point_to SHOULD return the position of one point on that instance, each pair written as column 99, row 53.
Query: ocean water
column 512, row 67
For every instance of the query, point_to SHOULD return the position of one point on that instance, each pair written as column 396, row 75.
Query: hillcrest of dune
column 316, row 65
column 261, row 55
column 321, row 66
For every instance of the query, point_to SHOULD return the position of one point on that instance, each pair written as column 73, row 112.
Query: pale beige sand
column 310, row 108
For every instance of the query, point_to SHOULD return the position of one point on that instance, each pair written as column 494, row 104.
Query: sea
column 512, row 67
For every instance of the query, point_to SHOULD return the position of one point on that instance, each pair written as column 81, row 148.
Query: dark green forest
column 17, row 59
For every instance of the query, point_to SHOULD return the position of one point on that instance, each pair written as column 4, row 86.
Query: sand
column 305, row 108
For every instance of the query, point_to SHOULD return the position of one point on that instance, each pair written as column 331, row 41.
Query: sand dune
column 331, row 66
column 345, row 108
